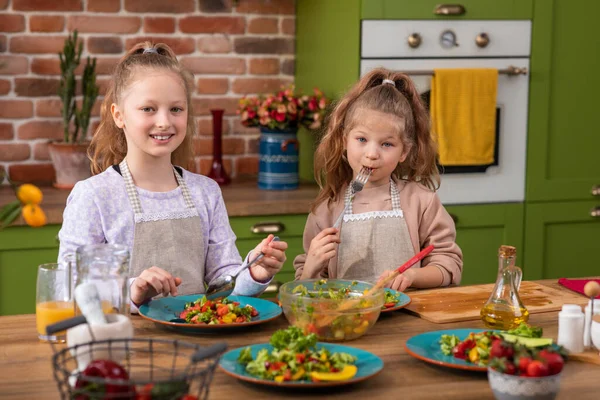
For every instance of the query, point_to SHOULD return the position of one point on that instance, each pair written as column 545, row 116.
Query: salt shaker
column 570, row 328
column 591, row 289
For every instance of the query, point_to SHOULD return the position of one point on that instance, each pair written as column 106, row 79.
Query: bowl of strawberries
column 519, row 372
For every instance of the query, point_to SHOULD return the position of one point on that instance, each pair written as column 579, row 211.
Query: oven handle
column 449, row 9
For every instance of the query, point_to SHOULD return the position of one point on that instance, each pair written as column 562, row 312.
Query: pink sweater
column 428, row 223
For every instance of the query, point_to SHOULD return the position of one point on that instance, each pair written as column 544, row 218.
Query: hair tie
column 388, row 82
column 150, row 50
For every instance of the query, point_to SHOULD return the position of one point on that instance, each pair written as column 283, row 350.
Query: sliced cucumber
column 529, row 342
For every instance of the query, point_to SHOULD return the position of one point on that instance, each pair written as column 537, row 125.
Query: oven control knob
column 482, row 40
column 448, row 39
column 414, row 40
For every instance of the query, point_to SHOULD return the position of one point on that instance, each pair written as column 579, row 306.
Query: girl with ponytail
column 173, row 221
column 381, row 124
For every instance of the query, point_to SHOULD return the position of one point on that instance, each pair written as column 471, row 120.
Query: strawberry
column 537, row 369
column 554, row 360
column 523, row 362
column 501, row 349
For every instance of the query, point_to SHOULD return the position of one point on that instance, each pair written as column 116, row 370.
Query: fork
column 356, row 186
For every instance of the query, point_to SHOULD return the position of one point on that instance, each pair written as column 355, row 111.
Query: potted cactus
column 69, row 156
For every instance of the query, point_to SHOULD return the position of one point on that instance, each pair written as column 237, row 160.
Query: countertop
column 242, row 198
column 26, row 370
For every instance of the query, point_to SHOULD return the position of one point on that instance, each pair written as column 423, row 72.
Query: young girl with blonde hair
column 382, row 125
column 174, row 221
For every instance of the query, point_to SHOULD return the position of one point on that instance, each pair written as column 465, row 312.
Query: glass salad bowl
column 335, row 310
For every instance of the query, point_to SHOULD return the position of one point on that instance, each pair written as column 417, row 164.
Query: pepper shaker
column 570, row 328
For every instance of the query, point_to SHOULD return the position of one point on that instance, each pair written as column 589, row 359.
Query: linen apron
column 171, row 240
column 373, row 242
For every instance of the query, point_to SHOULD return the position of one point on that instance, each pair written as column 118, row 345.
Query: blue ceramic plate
column 402, row 302
column 166, row 309
column 426, row 347
column 368, row 365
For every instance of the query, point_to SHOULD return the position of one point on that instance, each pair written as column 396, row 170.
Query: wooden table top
column 242, row 198
column 26, row 373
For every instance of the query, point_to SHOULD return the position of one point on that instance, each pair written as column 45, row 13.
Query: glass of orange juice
column 54, row 298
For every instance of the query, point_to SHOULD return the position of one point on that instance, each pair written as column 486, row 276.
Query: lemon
column 29, row 194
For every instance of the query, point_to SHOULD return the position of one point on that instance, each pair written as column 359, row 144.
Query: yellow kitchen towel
column 463, row 115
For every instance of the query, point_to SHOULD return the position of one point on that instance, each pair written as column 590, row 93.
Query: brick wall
column 234, row 48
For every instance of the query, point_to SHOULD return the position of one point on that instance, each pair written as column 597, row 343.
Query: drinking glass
column 54, row 297
column 107, row 267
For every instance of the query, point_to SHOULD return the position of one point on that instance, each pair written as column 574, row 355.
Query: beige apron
column 373, row 242
column 171, row 240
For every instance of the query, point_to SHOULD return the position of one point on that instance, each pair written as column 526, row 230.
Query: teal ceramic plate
column 402, row 302
column 426, row 347
column 368, row 365
column 165, row 309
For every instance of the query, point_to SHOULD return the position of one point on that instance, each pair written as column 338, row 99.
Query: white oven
column 417, row 47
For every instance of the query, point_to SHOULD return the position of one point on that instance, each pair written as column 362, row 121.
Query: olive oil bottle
column 504, row 309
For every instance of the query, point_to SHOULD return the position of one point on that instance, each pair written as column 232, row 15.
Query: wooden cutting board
column 464, row 303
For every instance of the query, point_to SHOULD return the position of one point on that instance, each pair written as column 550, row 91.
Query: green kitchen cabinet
column 562, row 149
column 425, row 9
column 22, row 249
column 480, row 231
column 562, row 239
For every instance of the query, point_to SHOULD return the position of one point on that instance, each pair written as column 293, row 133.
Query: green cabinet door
column 561, row 240
column 22, row 249
column 480, row 231
column 562, row 149
column 424, row 9
column 251, row 230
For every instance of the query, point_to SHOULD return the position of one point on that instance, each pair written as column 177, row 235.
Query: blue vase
column 278, row 160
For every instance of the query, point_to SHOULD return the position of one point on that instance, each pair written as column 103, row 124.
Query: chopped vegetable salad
column 225, row 311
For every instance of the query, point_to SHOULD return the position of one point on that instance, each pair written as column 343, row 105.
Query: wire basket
column 163, row 369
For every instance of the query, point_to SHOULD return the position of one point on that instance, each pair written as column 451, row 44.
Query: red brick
column 3, row 42
column 206, row 163
column 215, row 6
column 183, row 45
column 113, row 25
column 266, row 7
column 253, row 146
column 212, row 85
column 45, row 66
column 257, row 85
column 106, row 65
column 16, row 109
column 204, row 146
column 48, row 108
column 239, row 129
column 46, row 23
column 35, row 87
column 160, row 6
column 103, row 5
column 246, row 165
column 4, row 86
column 14, row 152
column 263, row 25
column 102, row 85
column 32, row 173
column 39, row 129
column 12, row 23
column 264, row 66
column 288, row 26
column 229, row 25
column 202, row 106
column 258, row 45
column 288, row 67
column 37, row 44
column 45, row 5
column 105, row 45
column 96, row 108
column 7, row 132
column 205, row 126
column 13, row 65
column 159, row 25
column 40, row 152
column 214, row 44
column 215, row 65
column 3, row 4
